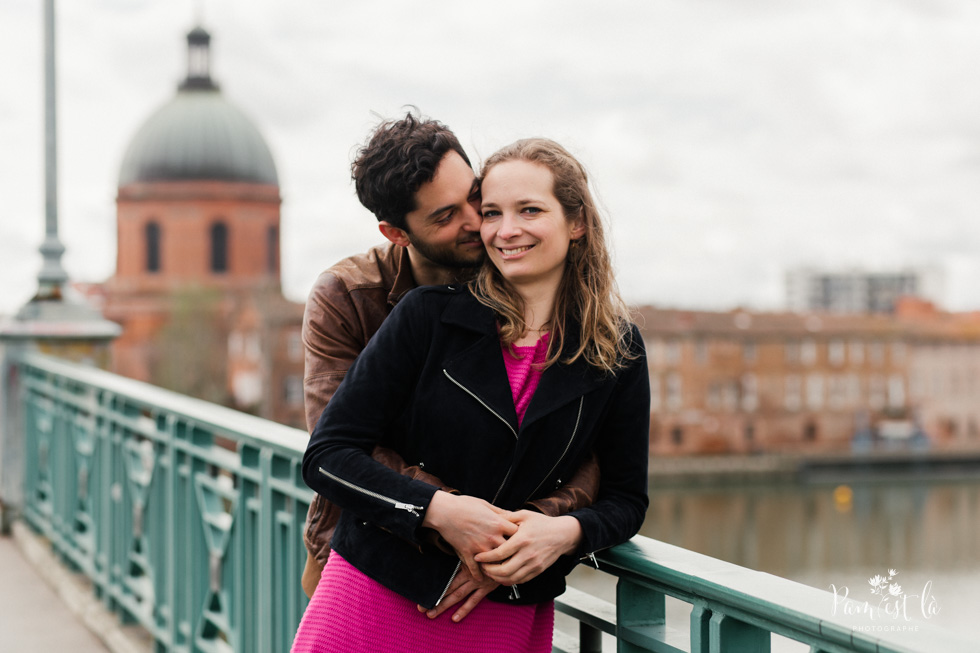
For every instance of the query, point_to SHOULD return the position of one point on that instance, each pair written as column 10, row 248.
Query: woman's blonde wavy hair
column 587, row 293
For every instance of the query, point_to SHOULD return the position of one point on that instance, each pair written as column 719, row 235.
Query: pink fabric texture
column 524, row 372
column 351, row 613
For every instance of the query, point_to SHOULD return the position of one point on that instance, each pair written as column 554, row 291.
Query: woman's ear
column 578, row 229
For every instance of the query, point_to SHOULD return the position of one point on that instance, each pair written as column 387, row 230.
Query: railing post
column 11, row 440
column 700, row 631
column 729, row 635
column 638, row 608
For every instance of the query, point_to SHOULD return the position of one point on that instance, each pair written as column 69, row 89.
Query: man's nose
column 472, row 217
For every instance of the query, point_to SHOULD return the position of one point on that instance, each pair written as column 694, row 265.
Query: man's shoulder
column 375, row 268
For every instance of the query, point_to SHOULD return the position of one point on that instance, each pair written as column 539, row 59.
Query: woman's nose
column 509, row 227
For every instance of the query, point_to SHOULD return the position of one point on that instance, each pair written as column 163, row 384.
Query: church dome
column 198, row 135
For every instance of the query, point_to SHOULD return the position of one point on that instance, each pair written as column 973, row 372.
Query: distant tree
column 191, row 352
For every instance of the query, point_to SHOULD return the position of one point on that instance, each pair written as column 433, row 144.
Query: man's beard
column 447, row 255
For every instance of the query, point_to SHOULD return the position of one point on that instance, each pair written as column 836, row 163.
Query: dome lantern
column 198, row 60
column 198, row 135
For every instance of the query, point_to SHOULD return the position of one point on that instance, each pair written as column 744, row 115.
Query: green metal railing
column 186, row 516
column 188, row 519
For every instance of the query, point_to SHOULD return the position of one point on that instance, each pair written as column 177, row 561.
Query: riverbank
column 776, row 467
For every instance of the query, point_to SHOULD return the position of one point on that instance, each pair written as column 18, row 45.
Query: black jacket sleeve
column 376, row 389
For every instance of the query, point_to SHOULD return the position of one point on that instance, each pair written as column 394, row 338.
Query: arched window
column 219, row 247
column 272, row 243
column 152, row 234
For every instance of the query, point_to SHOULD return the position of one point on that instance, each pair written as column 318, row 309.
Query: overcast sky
column 729, row 140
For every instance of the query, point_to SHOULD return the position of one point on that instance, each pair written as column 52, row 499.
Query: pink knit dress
column 351, row 613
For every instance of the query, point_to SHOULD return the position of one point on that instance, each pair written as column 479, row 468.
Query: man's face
column 445, row 225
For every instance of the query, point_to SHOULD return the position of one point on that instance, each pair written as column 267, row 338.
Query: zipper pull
column 590, row 556
column 514, row 593
column 408, row 507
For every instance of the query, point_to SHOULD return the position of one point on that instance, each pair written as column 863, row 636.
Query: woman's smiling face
column 524, row 226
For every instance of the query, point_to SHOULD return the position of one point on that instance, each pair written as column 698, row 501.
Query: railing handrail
column 769, row 602
column 254, row 429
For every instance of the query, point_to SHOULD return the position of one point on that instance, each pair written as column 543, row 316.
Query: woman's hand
column 464, row 586
column 539, row 541
column 470, row 525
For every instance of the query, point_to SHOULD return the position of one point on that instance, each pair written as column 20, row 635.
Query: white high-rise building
column 858, row 291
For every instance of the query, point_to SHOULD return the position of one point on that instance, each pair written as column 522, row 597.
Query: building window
column 672, row 352
column 791, row 351
column 219, row 247
column 677, row 435
column 814, row 391
column 896, row 391
column 152, row 247
column 749, row 352
column 655, row 401
column 836, row 352
column 293, row 390
column 837, row 390
column 674, row 391
column 791, row 392
column 876, row 353
column 810, row 432
column 857, row 352
column 898, row 352
column 808, row 352
column 750, row 393
column 272, row 243
column 294, row 345
column 701, row 351
column 876, row 392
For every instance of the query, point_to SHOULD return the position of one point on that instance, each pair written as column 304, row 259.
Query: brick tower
column 198, row 210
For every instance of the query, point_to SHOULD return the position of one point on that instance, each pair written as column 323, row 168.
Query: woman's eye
column 533, row 210
column 490, row 213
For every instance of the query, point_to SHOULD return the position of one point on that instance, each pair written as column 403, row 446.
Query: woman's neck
column 539, row 306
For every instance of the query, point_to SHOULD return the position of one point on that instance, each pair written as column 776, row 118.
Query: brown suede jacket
column 345, row 308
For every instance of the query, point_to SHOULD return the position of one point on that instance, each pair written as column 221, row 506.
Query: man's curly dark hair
column 400, row 156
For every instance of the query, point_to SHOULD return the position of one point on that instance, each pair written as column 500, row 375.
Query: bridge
column 181, row 521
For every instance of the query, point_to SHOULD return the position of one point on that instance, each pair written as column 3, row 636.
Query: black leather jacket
column 431, row 385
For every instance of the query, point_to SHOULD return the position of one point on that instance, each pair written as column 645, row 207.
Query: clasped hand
column 496, row 547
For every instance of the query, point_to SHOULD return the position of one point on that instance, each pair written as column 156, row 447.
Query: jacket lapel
column 480, row 368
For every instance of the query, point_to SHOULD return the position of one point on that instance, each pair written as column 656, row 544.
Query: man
column 415, row 177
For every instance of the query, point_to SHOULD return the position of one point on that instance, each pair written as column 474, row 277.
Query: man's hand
column 469, row 525
column 464, row 586
column 539, row 541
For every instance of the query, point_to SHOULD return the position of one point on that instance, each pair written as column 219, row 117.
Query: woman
column 501, row 388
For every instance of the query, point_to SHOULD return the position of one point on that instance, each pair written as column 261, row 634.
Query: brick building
column 197, row 281
column 740, row 382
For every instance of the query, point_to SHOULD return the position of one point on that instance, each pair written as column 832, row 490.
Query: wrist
column 571, row 533
column 435, row 513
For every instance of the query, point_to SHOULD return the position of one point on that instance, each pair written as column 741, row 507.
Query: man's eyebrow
column 437, row 212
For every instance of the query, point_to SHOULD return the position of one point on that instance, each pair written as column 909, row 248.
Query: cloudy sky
column 729, row 140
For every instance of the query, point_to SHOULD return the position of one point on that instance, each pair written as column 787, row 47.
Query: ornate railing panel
column 188, row 517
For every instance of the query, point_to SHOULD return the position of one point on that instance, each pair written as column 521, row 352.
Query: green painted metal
column 188, row 518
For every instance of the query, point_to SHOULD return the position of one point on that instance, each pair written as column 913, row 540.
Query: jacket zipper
column 445, row 589
column 482, row 403
column 397, row 504
column 568, row 445
column 514, row 592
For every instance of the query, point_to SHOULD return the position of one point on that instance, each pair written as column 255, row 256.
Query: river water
column 839, row 532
